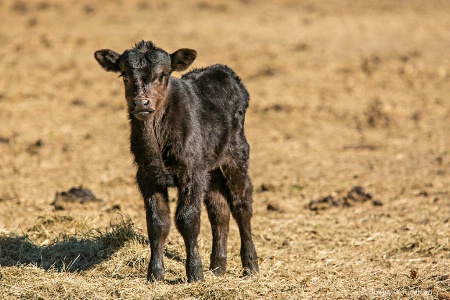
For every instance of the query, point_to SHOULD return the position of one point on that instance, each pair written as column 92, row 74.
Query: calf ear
column 108, row 59
column 182, row 59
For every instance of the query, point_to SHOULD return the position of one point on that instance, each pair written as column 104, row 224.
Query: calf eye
column 160, row 79
column 124, row 77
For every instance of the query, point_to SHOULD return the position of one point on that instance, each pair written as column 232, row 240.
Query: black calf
column 187, row 133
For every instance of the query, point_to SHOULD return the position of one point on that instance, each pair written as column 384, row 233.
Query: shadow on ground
column 72, row 253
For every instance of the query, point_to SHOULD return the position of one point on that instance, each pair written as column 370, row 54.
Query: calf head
column 145, row 70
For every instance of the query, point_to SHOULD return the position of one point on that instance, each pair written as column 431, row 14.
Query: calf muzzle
column 139, row 105
column 141, row 109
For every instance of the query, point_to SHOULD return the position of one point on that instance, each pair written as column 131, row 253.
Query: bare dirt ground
column 343, row 94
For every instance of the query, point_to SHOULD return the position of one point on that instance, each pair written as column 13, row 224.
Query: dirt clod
column 274, row 207
column 413, row 274
column 78, row 102
column 358, row 194
column 78, row 195
column 4, row 140
column 355, row 196
column 324, row 203
column 267, row 187
column 34, row 148
column 376, row 115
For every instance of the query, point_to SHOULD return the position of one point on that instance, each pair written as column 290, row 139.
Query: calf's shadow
column 74, row 253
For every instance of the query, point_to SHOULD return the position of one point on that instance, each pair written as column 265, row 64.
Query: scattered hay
column 49, row 227
column 69, row 253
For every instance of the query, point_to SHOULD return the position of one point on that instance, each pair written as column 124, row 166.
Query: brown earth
column 343, row 94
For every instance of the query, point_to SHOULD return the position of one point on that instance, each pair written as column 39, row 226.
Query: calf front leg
column 188, row 223
column 158, row 223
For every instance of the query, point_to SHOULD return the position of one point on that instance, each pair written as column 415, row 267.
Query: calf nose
column 141, row 104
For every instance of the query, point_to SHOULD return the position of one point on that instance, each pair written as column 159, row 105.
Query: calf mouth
column 142, row 115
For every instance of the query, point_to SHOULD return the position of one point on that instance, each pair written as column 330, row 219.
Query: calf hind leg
column 241, row 201
column 219, row 217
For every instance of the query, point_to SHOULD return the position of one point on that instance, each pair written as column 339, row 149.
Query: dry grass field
column 343, row 94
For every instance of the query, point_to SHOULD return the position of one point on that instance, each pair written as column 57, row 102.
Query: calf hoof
column 249, row 260
column 218, row 266
column 194, row 273
column 251, row 268
column 219, row 270
column 155, row 274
